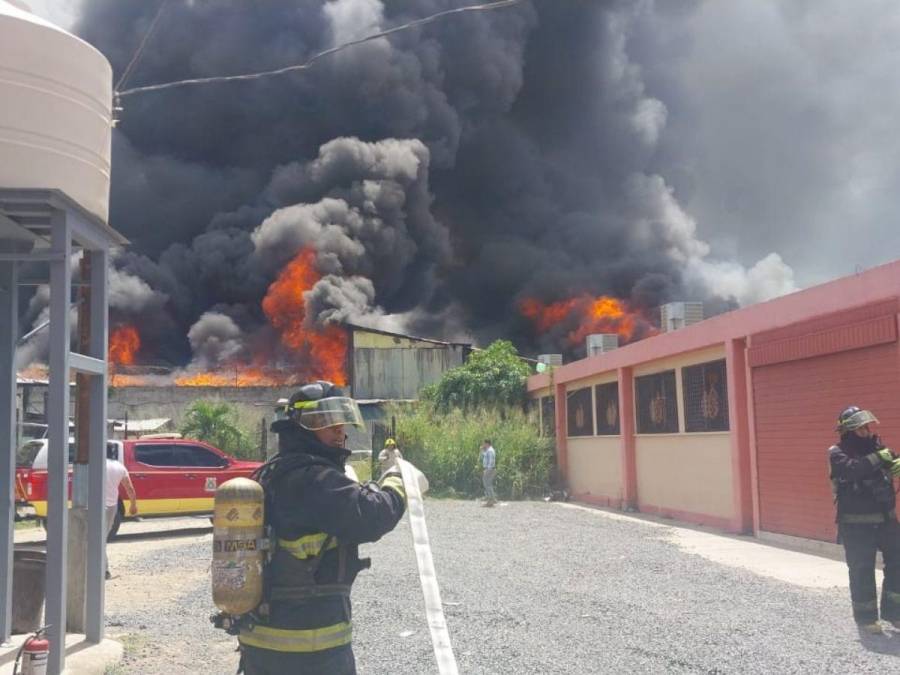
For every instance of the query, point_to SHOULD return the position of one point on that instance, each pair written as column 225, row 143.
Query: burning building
column 725, row 422
column 376, row 366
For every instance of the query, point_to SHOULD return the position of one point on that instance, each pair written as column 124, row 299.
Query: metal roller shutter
column 796, row 404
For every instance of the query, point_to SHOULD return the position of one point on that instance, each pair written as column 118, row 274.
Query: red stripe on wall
column 598, row 500
column 872, row 332
column 687, row 516
column 845, row 317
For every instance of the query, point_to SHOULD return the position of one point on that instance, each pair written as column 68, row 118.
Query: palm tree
column 215, row 423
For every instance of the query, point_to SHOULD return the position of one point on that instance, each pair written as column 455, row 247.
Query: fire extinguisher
column 34, row 654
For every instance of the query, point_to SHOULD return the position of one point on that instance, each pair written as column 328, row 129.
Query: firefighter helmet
column 853, row 418
column 390, row 443
column 320, row 405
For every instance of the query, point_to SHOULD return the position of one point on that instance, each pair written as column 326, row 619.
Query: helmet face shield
column 855, row 419
column 328, row 412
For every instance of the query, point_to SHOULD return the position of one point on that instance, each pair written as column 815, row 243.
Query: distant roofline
column 877, row 284
column 355, row 326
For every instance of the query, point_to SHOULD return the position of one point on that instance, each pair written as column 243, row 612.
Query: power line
column 140, row 49
column 303, row 66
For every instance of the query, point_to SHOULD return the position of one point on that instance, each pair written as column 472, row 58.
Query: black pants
column 861, row 541
column 337, row 661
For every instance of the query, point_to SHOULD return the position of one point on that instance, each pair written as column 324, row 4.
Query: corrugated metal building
column 384, row 365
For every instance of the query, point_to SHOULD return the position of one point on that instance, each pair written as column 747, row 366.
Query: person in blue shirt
column 489, row 468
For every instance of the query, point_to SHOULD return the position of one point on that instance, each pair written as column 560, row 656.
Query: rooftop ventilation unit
column 599, row 343
column 675, row 315
column 550, row 359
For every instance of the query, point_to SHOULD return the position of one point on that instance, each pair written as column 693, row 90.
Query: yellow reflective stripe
column 864, row 517
column 395, row 483
column 307, row 546
column 301, row 405
column 872, row 604
column 297, row 640
column 893, row 595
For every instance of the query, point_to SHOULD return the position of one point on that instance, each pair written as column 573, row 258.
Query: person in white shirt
column 117, row 474
column 489, row 466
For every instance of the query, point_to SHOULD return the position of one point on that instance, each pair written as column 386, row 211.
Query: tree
column 216, row 424
column 491, row 378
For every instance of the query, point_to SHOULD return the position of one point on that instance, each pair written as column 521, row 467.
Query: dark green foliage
column 491, row 378
column 216, row 423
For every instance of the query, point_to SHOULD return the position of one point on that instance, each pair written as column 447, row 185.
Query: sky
column 678, row 149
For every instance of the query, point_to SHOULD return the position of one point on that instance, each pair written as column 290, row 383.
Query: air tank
column 55, row 110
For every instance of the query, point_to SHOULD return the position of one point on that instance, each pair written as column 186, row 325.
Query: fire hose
column 434, row 610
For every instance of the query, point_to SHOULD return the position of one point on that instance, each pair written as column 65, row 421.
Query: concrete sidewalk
column 824, row 568
column 142, row 526
column 82, row 657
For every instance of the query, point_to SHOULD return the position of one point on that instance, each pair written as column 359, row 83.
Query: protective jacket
column 863, row 489
column 867, row 523
column 317, row 516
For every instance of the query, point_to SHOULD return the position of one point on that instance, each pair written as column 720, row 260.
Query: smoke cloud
column 440, row 176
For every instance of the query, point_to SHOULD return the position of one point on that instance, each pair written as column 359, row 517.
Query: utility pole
column 78, row 517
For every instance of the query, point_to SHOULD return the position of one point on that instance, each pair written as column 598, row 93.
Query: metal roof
column 32, row 210
column 353, row 326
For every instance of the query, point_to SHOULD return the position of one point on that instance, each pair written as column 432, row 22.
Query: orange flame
column 124, row 343
column 286, row 310
column 240, row 376
column 603, row 314
column 315, row 353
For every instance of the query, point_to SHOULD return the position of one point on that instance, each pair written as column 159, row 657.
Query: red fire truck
column 172, row 476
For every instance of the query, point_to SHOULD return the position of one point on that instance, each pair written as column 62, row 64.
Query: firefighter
column 861, row 472
column 317, row 517
column 389, row 455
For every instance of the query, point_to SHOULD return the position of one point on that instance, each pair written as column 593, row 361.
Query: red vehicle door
column 214, row 467
column 160, row 479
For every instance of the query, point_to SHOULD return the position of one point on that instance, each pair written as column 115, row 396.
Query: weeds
column 446, row 448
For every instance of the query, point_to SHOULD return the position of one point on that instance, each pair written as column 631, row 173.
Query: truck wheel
column 114, row 530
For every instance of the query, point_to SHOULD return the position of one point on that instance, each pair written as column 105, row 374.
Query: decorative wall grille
column 657, row 403
column 607, row 396
column 705, row 389
column 580, row 412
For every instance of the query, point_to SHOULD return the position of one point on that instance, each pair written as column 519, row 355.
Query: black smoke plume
column 441, row 176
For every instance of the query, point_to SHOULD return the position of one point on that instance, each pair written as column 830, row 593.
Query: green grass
column 446, row 448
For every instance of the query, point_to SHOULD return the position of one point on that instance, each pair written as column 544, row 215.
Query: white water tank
column 55, row 110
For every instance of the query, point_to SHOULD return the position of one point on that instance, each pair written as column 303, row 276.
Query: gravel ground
column 528, row 588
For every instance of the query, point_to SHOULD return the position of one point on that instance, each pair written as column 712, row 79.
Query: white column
column 9, row 320
column 58, row 443
column 96, row 544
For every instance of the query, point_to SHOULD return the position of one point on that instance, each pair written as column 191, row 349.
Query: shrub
column 216, row 423
column 492, row 378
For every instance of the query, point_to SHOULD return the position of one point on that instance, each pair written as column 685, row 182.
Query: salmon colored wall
column 602, row 378
column 595, row 468
column 797, row 404
column 808, row 355
column 876, row 284
column 711, row 353
column 686, row 475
